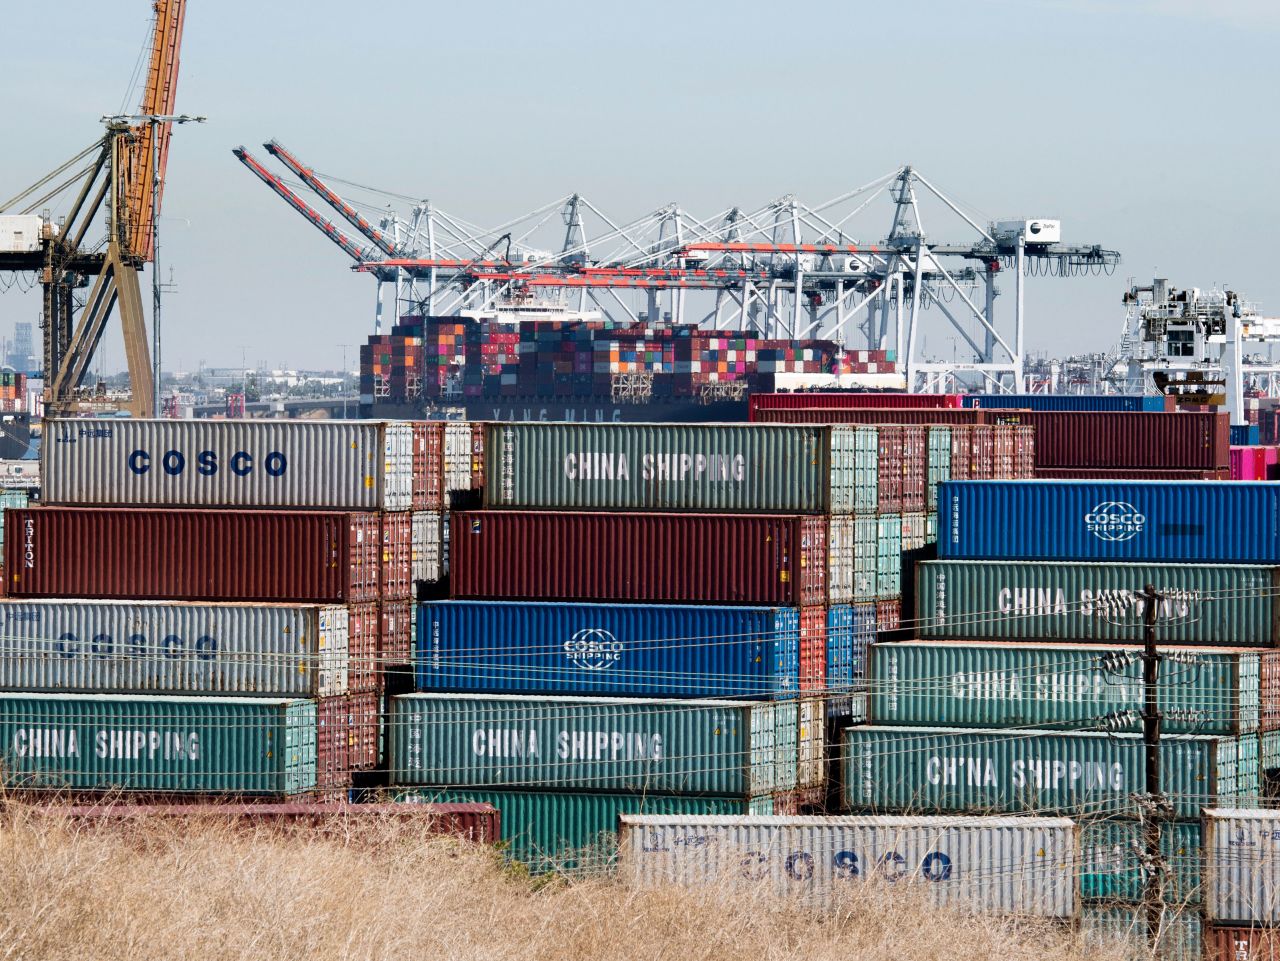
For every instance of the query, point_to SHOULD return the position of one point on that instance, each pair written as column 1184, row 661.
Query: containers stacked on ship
column 119, row 622
column 1023, row 691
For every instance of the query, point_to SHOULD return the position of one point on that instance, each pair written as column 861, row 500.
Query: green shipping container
column 718, row 748
column 929, row 771
column 241, row 745
column 564, row 832
column 1111, row 862
column 937, row 464
column 799, row 469
column 1219, row 604
column 889, row 557
column 1064, row 687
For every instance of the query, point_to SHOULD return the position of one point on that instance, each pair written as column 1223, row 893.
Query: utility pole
column 1153, row 888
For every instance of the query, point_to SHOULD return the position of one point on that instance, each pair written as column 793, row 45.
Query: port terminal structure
column 784, row 269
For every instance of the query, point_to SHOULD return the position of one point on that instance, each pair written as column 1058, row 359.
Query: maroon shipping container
column 1119, row 439
column 813, row 649
column 333, row 743
column 889, row 471
column 1240, row 944
column 363, row 729
column 397, row 555
column 644, row 558
column 915, row 453
column 193, row 555
column 884, row 415
column 888, row 615
column 395, row 634
column 853, row 400
column 1133, row 473
column 364, row 670
column 472, row 822
column 962, row 451
column 428, row 465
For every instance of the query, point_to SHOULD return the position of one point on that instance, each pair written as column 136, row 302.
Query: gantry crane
column 124, row 180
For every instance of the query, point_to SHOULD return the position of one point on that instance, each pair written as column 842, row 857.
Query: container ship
column 568, row 366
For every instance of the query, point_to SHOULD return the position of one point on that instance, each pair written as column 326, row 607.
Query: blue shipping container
column 1087, row 402
column 1177, row 522
column 851, row 628
column 619, row 650
column 1245, row 435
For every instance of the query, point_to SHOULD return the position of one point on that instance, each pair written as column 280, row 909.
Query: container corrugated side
column 105, row 742
column 1242, row 866
column 852, row 545
column 143, row 553
column 427, row 542
column 989, row 771
column 657, row 467
column 1236, row 523
column 566, row 832
column 1209, row 604
column 1109, row 928
column 1067, row 402
column 1118, row 439
column 607, row 649
column 1004, row 866
column 1111, row 861
column 770, row 559
column 166, row 648
column 722, row 748
column 851, row 629
column 885, row 415
column 327, row 465
column 1060, row 687
column 811, row 743
column 1223, row 943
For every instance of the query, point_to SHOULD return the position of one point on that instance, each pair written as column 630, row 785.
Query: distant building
column 21, row 355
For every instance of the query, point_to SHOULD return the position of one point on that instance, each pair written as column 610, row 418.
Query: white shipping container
column 1021, row 866
column 329, row 465
column 427, row 543
column 1242, row 866
column 163, row 647
column 458, row 457
column 812, row 740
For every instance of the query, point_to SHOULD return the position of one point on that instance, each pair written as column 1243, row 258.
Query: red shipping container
column 395, row 634
column 850, row 399
column 364, row 671
column 888, row 615
column 885, row 415
column 813, row 649
column 1133, row 473
column 1240, row 944
column 915, row 453
column 428, row 465
column 333, row 743
column 1024, row 452
column 193, row 555
column 1120, row 439
column 889, row 472
column 397, row 555
column 962, row 451
column 1003, row 451
column 644, row 558
column 362, row 720
column 982, row 453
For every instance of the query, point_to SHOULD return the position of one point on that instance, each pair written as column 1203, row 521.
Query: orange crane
column 124, row 181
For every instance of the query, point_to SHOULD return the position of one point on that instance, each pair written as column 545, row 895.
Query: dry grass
column 207, row 890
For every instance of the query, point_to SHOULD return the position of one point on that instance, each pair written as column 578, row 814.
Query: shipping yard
column 652, row 587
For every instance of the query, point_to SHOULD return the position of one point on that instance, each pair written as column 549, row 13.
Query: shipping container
column 938, row 444
column 608, row 649
column 396, row 623
column 851, row 629
column 1003, row 866
column 773, row 560
column 8, row 499
column 811, row 743
column 1207, row 604
column 686, row 467
column 991, row 685
column 851, row 415
column 889, row 557
column 427, row 543
column 194, row 555
column 108, row 742
column 396, row 563
column 567, row 832
column 1070, row 402
column 993, row 771
column 1123, row 927
column 721, row 748
column 1222, row 943
column 852, row 552
column 760, row 401
column 1111, row 857
column 1119, row 439
column 1242, row 866
column 428, row 467
column 364, row 659
column 813, row 649
column 1187, row 522
column 322, row 465
column 463, row 464
column 1129, row 473
column 142, row 647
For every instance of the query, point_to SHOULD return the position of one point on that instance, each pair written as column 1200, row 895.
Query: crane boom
column 349, row 213
column 325, row 226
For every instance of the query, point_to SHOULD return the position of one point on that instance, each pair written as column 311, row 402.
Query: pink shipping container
column 193, row 555
column 1244, row 464
column 878, row 415
column 770, row 559
column 842, row 399
column 1120, row 439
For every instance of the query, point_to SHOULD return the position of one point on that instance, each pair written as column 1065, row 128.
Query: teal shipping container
column 567, row 832
column 1111, row 861
column 889, row 557
column 1065, row 687
column 937, row 464
column 700, row 747
column 1210, row 604
column 956, row 771
column 805, row 469
column 103, row 742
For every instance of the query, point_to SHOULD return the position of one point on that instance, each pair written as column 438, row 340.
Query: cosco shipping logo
column 593, row 649
column 1115, row 521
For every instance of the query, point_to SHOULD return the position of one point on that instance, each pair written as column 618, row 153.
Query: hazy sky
column 1146, row 126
